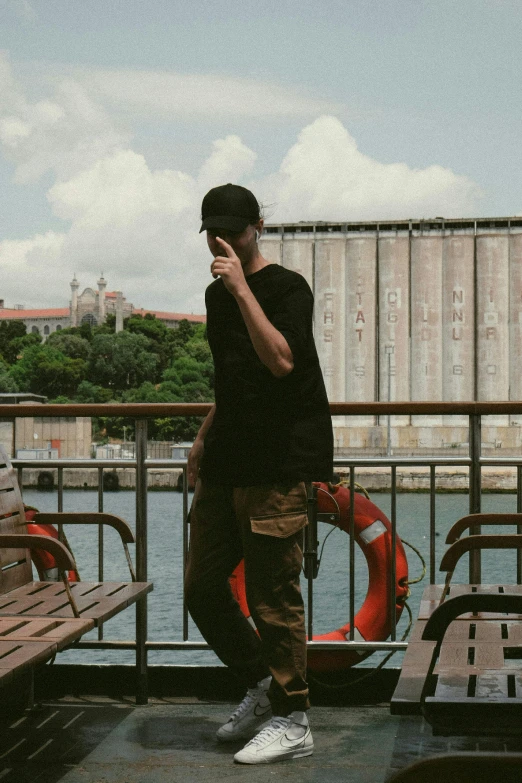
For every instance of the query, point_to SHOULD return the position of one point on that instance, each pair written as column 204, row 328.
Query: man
column 267, row 437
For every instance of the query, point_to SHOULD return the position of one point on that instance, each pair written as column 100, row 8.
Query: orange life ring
column 44, row 562
column 373, row 534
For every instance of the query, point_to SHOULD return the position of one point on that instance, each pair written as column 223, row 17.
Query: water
column 331, row 591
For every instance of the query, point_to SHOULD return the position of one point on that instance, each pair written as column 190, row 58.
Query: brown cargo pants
column 264, row 525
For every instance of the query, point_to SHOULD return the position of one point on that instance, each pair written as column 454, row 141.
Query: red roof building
column 88, row 307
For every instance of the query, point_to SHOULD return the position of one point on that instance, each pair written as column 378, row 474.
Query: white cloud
column 30, row 269
column 62, row 134
column 325, row 176
column 141, row 225
column 170, row 94
column 230, row 160
column 13, row 130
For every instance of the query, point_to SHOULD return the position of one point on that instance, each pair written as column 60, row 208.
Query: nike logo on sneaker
column 292, row 743
column 259, row 711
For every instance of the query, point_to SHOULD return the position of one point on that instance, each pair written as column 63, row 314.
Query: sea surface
column 331, row 588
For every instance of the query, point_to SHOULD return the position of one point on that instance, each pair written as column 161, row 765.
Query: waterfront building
column 413, row 310
column 44, row 438
column 92, row 307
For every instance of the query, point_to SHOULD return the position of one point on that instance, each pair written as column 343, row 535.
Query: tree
column 88, row 392
column 13, row 341
column 43, row 369
column 7, row 382
column 71, row 345
column 121, row 361
column 159, row 336
column 9, row 331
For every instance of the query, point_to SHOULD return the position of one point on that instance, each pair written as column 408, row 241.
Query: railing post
column 432, row 524
column 141, row 559
column 475, row 439
column 519, row 527
column 100, row 538
column 185, row 550
column 351, row 525
column 310, row 552
column 393, row 570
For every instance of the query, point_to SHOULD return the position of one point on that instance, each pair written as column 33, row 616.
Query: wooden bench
column 463, row 665
column 38, row 619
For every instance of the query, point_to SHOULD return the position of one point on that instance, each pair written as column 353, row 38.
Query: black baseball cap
column 231, row 207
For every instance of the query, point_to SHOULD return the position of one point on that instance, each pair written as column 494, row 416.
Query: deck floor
column 104, row 741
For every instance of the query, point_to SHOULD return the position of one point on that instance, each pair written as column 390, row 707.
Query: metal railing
column 474, row 462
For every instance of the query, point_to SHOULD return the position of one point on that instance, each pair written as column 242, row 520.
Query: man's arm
column 206, row 424
column 196, row 452
column 268, row 342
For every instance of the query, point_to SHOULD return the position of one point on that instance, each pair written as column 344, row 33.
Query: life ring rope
column 350, row 683
column 343, row 483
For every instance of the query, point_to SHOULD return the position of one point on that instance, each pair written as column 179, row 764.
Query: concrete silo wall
column 426, row 321
column 361, row 321
column 458, row 328
column 414, row 311
column 515, row 321
column 492, row 320
column 393, row 312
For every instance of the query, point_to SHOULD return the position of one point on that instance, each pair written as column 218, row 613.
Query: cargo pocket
column 279, row 525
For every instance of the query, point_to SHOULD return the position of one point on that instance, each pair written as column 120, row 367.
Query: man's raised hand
column 228, row 267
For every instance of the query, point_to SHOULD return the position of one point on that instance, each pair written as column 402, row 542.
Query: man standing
column 267, row 437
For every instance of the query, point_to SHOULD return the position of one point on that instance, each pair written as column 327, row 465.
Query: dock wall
column 409, row 479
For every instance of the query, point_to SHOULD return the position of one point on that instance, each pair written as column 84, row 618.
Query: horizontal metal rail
column 361, row 462
column 167, row 409
column 130, row 644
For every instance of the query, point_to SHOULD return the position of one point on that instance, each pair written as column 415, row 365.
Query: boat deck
column 97, row 740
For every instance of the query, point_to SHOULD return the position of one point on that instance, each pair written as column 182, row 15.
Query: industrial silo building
column 413, row 310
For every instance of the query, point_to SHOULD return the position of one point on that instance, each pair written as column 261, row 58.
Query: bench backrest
column 15, row 564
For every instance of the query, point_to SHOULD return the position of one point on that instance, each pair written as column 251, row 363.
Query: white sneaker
column 253, row 711
column 282, row 738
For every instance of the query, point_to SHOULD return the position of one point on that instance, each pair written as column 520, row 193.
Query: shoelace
column 271, row 731
column 253, row 695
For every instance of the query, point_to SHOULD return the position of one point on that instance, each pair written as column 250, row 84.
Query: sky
column 116, row 117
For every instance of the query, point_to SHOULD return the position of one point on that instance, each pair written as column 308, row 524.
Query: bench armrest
column 452, row 608
column 463, row 545
column 87, row 518
column 472, row 520
column 93, row 518
column 61, row 554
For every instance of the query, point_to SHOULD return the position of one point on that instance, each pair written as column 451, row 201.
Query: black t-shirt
column 266, row 429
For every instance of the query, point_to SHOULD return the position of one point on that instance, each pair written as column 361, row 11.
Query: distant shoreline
column 409, row 479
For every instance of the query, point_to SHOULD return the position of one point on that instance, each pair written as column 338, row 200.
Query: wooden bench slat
column 406, row 699
column 432, row 593
column 492, row 685
column 17, row 573
column 514, row 632
column 5, row 479
column 98, row 601
column 407, row 696
column 20, row 655
column 490, row 655
column 8, row 503
column 451, row 686
column 60, row 631
column 453, row 656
